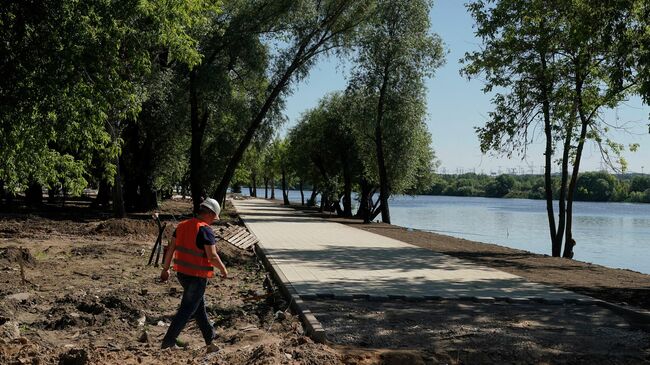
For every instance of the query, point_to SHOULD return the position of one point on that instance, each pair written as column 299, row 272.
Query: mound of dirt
column 74, row 357
column 89, row 250
column 286, row 352
column 124, row 227
column 12, row 254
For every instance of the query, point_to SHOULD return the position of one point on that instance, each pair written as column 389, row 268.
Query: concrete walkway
column 320, row 258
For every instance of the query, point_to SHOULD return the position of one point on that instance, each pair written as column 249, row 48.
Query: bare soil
column 89, row 297
column 457, row 332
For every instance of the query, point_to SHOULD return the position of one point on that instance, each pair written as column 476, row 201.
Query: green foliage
column 640, row 183
column 500, row 187
column 175, row 18
column 75, row 71
column 596, row 186
column 555, row 65
column 396, row 52
column 574, row 55
column 322, row 144
column 592, row 186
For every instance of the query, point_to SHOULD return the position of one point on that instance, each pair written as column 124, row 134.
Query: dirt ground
column 459, row 332
column 90, row 298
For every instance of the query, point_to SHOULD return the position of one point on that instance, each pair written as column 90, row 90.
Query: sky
column 456, row 106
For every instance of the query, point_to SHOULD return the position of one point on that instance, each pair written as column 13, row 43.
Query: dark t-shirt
column 204, row 237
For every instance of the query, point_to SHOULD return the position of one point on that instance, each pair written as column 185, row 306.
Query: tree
column 640, row 183
column 596, row 186
column 312, row 28
column 555, row 61
column 518, row 56
column 227, row 87
column 74, row 76
column 395, row 53
column 323, row 151
column 501, row 186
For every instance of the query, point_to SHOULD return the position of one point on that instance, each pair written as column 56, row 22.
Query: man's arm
column 215, row 260
column 164, row 275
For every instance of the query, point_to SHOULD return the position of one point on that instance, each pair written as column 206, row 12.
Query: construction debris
column 237, row 236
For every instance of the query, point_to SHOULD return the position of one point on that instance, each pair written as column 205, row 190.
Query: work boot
column 212, row 348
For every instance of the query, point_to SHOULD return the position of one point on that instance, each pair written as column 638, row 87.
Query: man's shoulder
column 207, row 229
column 205, row 236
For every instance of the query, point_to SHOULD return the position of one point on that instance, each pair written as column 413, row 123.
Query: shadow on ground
column 476, row 333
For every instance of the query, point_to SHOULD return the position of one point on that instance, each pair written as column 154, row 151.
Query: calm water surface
column 610, row 234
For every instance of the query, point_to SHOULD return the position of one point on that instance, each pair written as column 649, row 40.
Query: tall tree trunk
column 364, row 202
column 118, row 196
column 103, row 195
column 285, row 195
column 198, row 129
column 254, row 126
column 148, row 196
column 34, row 194
column 138, row 166
column 381, row 162
column 266, row 188
column 548, row 156
column 312, row 198
column 347, row 188
column 337, row 207
column 563, row 185
column 375, row 208
column 302, row 194
column 324, row 202
column 64, row 197
column 584, row 120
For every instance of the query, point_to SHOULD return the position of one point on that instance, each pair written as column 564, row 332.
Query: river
column 610, row 234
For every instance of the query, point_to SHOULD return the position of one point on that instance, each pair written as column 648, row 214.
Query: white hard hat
column 211, row 204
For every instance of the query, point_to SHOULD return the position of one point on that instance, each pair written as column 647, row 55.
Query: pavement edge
column 314, row 328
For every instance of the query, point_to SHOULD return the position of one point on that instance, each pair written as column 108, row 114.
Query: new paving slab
column 319, row 258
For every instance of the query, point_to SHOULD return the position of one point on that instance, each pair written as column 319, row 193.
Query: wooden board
column 237, row 236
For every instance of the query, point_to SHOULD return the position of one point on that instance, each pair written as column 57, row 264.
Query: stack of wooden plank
column 237, row 236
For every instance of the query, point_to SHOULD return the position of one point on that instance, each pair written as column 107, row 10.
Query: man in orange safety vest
column 194, row 255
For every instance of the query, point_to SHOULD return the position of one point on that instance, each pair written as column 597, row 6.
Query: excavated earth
column 75, row 288
column 88, row 297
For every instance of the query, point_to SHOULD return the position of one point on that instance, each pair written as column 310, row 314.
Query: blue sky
column 457, row 105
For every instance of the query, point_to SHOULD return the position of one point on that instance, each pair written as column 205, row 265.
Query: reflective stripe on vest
column 192, row 266
column 192, row 252
column 188, row 259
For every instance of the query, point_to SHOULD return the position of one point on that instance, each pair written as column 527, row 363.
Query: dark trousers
column 192, row 306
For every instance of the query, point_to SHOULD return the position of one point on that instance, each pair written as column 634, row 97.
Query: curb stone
column 314, row 328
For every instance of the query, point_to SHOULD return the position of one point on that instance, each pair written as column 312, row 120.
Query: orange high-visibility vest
column 188, row 259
